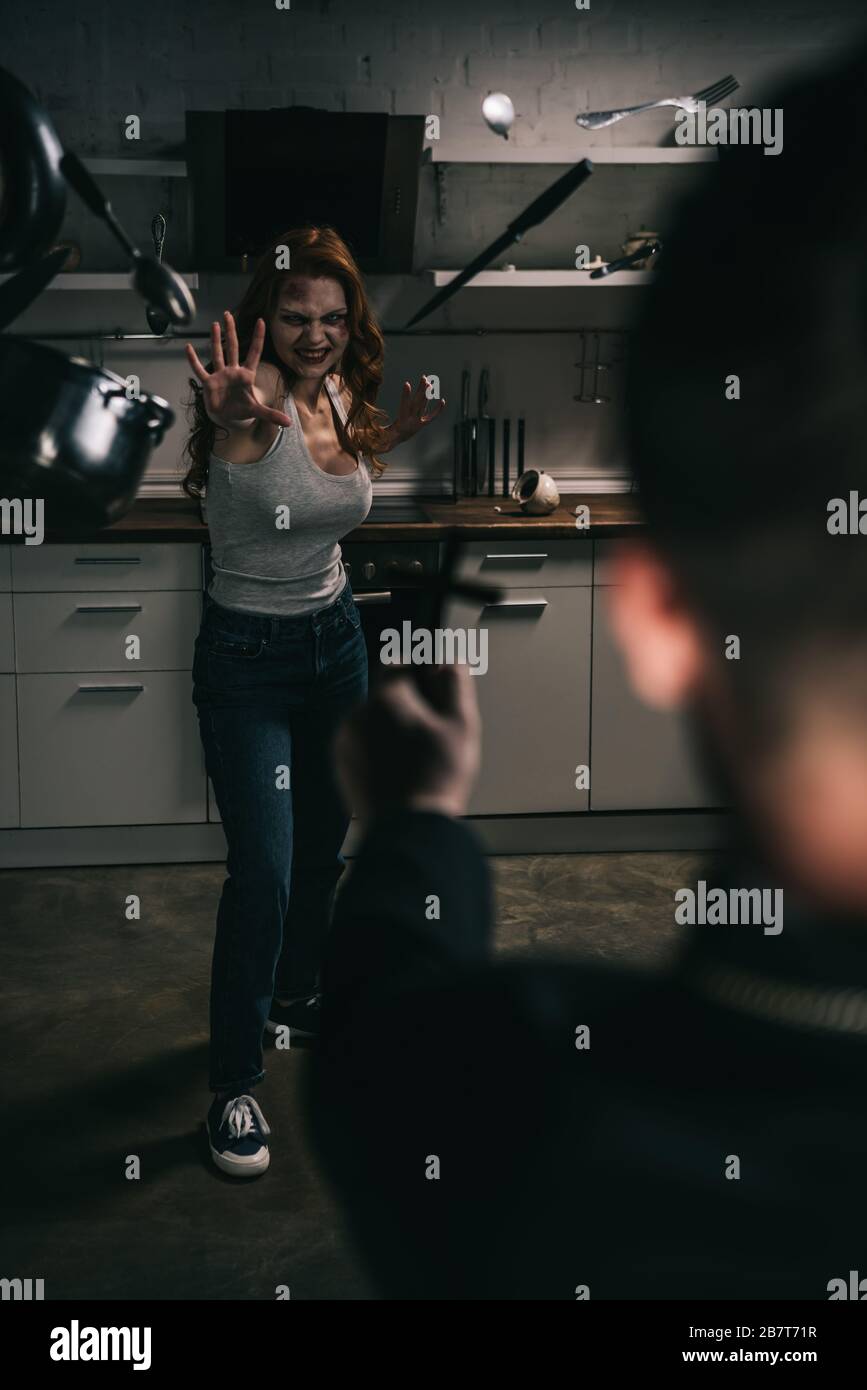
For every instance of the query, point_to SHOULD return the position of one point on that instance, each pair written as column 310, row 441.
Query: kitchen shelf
column 459, row 152
column 499, row 151
column 153, row 168
column 101, row 280
column 544, row 279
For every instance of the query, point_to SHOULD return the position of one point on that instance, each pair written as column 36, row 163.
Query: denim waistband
column 273, row 626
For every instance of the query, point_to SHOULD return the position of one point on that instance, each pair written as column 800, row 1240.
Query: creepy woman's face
column 310, row 325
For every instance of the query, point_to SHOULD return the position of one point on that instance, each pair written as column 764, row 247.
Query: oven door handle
column 373, row 596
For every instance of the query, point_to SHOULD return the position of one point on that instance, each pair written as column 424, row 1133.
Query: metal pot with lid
column 73, row 435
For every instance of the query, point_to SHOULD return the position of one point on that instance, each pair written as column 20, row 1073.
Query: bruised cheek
column 284, row 338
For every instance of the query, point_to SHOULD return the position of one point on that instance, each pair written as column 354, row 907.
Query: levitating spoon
column 159, row 287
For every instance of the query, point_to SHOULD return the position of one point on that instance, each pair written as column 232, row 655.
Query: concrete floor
column 104, row 1039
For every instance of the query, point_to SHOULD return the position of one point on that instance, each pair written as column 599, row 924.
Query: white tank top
column 275, row 524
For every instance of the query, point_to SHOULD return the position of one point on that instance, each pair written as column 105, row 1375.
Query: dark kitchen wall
column 96, row 63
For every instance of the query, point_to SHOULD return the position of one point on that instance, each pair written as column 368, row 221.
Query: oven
column 390, row 582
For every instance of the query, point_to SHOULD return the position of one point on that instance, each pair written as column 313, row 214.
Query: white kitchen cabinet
column 97, row 566
column 104, row 740
column 74, row 631
column 640, row 758
column 8, row 754
column 109, row 748
column 534, row 698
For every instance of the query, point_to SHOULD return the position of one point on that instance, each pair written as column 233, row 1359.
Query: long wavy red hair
column 317, row 251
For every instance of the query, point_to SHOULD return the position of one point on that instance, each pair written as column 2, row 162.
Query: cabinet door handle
column 517, row 603
column 108, row 608
column 107, row 688
column 373, row 596
column 108, row 559
column 530, row 555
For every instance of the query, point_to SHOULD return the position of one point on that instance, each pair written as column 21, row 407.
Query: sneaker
column 237, row 1131
column 300, row 1016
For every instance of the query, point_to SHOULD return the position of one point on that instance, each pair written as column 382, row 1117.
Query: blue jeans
column 269, row 693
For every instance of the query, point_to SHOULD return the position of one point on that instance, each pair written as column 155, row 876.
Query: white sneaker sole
column 241, row 1167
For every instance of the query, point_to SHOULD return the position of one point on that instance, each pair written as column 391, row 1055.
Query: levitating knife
column 540, row 209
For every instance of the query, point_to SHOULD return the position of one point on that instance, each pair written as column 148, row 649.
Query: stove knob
column 347, row 565
column 405, row 567
column 368, row 569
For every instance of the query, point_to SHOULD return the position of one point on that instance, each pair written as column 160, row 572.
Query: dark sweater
column 562, row 1167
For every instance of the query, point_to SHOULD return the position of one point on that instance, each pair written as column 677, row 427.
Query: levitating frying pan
column 32, row 188
column 70, row 434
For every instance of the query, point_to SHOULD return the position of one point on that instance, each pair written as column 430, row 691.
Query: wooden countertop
column 178, row 519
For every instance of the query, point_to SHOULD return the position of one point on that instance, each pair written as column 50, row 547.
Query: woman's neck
column 309, row 392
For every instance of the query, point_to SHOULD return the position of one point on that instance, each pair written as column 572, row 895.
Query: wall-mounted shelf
column 100, row 280
column 153, row 168
column 544, row 279
column 498, row 151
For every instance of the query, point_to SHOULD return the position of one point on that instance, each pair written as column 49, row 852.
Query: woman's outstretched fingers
column 231, row 340
column 216, row 347
column 276, row 417
column 193, row 358
column 441, row 405
column 257, row 343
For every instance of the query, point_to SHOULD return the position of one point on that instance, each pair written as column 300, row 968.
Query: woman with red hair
column 286, row 437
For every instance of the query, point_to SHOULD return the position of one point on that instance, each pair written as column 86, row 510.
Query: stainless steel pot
column 72, row 435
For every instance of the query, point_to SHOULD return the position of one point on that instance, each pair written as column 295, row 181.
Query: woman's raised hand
column 231, row 396
column 411, row 411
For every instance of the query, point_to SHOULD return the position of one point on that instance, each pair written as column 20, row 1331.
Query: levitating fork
column 596, row 120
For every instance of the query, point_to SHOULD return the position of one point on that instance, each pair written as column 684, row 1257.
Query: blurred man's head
column 748, row 417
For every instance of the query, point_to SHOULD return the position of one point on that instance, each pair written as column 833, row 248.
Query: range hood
column 254, row 174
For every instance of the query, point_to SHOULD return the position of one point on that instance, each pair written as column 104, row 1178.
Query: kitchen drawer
column 534, row 700
column 5, row 568
column 8, row 754
column 82, row 568
column 527, row 563
column 7, row 645
column 110, row 756
column 87, row 632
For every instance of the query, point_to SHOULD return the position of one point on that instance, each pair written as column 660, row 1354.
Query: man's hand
column 415, row 744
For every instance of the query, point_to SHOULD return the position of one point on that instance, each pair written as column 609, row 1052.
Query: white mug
column 536, row 492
